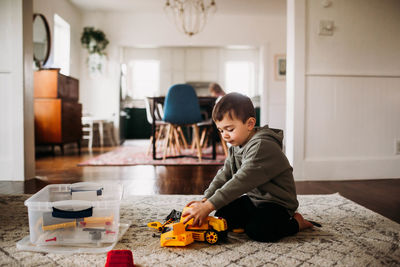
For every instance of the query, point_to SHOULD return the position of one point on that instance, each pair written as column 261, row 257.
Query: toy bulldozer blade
column 172, row 217
column 156, row 225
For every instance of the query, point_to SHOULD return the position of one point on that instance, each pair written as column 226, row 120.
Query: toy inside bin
column 74, row 214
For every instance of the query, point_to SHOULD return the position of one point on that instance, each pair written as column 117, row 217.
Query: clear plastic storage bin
column 75, row 214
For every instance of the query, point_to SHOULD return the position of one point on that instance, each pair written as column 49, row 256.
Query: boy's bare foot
column 303, row 224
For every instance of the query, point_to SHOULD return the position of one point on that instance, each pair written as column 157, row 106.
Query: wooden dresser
column 58, row 114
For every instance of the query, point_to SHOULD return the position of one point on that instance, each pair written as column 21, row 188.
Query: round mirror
column 41, row 40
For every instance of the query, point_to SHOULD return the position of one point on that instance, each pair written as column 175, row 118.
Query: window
column 145, row 78
column 61, row 44
column 239, row 77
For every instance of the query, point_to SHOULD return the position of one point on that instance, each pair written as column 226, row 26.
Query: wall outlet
column 326, row 27
column 397, row 147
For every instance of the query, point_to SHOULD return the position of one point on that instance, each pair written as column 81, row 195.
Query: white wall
column 16, row 91
column 100, row 96
column 348, row 90
column 193, row 64
column 73, row 16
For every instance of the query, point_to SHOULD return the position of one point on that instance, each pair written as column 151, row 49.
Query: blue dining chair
column 181, row 108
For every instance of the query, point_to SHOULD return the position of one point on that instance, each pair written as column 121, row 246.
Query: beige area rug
column 351, row 235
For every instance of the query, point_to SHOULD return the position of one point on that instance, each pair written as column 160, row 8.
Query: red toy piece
column 119, row 258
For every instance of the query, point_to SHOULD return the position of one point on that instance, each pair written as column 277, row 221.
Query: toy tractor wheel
column 211, row 237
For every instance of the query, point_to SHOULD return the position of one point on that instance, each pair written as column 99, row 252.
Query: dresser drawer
column 52, row 84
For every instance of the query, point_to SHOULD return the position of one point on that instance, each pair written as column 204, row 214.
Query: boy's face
column 234, row 131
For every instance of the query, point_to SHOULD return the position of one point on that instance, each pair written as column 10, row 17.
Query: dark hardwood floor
column 380, row 195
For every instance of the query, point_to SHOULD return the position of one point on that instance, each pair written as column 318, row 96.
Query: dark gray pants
column 268, row 222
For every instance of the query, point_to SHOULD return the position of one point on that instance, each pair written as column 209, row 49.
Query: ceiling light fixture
column 190, row 16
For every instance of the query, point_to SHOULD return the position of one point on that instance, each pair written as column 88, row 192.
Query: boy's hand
column 199, row 211
column 195, row 201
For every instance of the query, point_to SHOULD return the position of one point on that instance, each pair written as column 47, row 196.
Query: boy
column 255, row 189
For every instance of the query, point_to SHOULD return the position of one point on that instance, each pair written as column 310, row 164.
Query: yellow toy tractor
column 180, row 234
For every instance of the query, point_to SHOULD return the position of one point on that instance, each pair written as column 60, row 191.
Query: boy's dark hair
column 235, row 105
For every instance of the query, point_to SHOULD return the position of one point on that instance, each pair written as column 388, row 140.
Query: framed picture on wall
column 280, row 67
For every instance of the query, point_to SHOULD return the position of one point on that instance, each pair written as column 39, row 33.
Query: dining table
column 206, row 104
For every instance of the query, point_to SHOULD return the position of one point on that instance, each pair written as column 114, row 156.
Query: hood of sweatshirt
column 271, row 134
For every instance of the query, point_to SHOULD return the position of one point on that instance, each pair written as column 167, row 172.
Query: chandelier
column 190, row 16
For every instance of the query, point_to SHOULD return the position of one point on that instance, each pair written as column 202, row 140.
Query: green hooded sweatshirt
column 258, row 169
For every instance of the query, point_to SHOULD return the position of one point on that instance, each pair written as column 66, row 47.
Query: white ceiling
column 267, row 7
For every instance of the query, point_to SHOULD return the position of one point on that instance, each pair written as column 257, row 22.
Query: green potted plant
column 95, row 42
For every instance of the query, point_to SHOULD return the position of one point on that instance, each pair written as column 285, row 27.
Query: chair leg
column 169, row 143
column 167, row 139
column 193, row 145
column 150, row 146
column 203, row 140
column 197, row 139
column 160, row 133
column 177, row 145
column 203, row 135
column 185, row 144
column 157, row 136
column 172, row 143
column 88, row 134
column 161, row 137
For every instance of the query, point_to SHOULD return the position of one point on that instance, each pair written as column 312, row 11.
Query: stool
column 105, row 128
column 87, row 130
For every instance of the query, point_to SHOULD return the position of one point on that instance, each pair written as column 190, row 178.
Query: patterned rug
column 351, row 235
column 136, row 155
